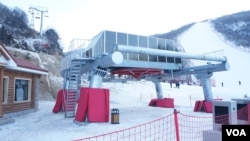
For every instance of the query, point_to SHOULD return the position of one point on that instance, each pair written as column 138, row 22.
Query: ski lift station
column 114, row 56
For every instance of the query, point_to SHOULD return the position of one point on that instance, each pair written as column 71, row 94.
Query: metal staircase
column 72, row 87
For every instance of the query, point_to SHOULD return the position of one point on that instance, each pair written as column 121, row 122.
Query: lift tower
column 40, row 13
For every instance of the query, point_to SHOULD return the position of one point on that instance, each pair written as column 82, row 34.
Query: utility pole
column 39, row 10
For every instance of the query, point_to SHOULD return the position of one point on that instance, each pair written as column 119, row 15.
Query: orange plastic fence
column 192, row 127
column 160, row 129
column 173, row 127
column 242, row 115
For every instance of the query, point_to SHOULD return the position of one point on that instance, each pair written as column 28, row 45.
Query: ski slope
column 202, row 38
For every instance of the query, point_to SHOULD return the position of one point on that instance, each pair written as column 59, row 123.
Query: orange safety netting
column 173, row 127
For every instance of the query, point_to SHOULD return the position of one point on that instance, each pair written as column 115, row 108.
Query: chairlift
column 37, row 16
column 31, row 12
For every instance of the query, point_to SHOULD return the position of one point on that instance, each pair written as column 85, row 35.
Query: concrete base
column 212, row 135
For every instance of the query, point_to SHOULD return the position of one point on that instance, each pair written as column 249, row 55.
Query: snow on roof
column 27, row 64
column 20, row 64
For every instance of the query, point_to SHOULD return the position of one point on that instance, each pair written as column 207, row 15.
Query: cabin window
column 152, row 43
column 22, row 89
column 5, row 89
column 143, row 42
column 161, row 45
column 122, row 38
column 110, row 40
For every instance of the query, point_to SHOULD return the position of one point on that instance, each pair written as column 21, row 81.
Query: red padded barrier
column 152, row 102
column 82, row 107
column 204, row 106
column 208, row 106
column 98, row 105
column 165, row 103
column 60, row 104
column 197, row 106
column 94, row 104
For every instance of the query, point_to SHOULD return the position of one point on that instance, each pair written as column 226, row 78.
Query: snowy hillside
column 50, row 84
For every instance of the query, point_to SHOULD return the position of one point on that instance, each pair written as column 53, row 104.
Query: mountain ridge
column 234, row 28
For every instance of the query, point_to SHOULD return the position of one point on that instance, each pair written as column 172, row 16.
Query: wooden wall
column 11, row 105
column 1, row 89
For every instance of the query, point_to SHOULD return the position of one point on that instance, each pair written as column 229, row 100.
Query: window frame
column 29, row 89
column 5, row 89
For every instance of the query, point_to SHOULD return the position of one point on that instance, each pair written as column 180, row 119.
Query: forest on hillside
column 16, row 32
column 234, row 28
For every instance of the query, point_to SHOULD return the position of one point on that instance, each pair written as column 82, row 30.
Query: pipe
column 112, row 59
column 206, row 85
column 158, row 89
column 97, row 79
column 159, row 52
column 105, row 61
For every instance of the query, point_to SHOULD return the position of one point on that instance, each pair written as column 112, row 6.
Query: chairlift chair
column 37, row 16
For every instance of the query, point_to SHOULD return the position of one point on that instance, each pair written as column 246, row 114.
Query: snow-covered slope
column 202, row 38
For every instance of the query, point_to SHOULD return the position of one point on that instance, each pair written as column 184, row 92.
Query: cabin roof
column 19, row 63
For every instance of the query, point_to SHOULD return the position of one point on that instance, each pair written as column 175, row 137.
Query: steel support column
column 158, row 89
column 206, row 85
column 97, row 78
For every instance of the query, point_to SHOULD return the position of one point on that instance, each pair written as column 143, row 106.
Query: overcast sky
column 85, row 18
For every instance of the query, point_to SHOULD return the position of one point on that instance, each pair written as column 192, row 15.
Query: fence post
column 176, row 124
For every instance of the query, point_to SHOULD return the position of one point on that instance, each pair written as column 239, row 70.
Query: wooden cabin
column 19, row 85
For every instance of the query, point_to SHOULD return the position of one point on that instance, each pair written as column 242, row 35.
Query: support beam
column 206, row 85
column 205, row 69
column 97, row 78
column 158, row 89
column 104, row 61
column 159, row 52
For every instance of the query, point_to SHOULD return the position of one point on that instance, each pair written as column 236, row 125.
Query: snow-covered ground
column 132, row 98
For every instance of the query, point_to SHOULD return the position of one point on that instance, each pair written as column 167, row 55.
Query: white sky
column 85, row 18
